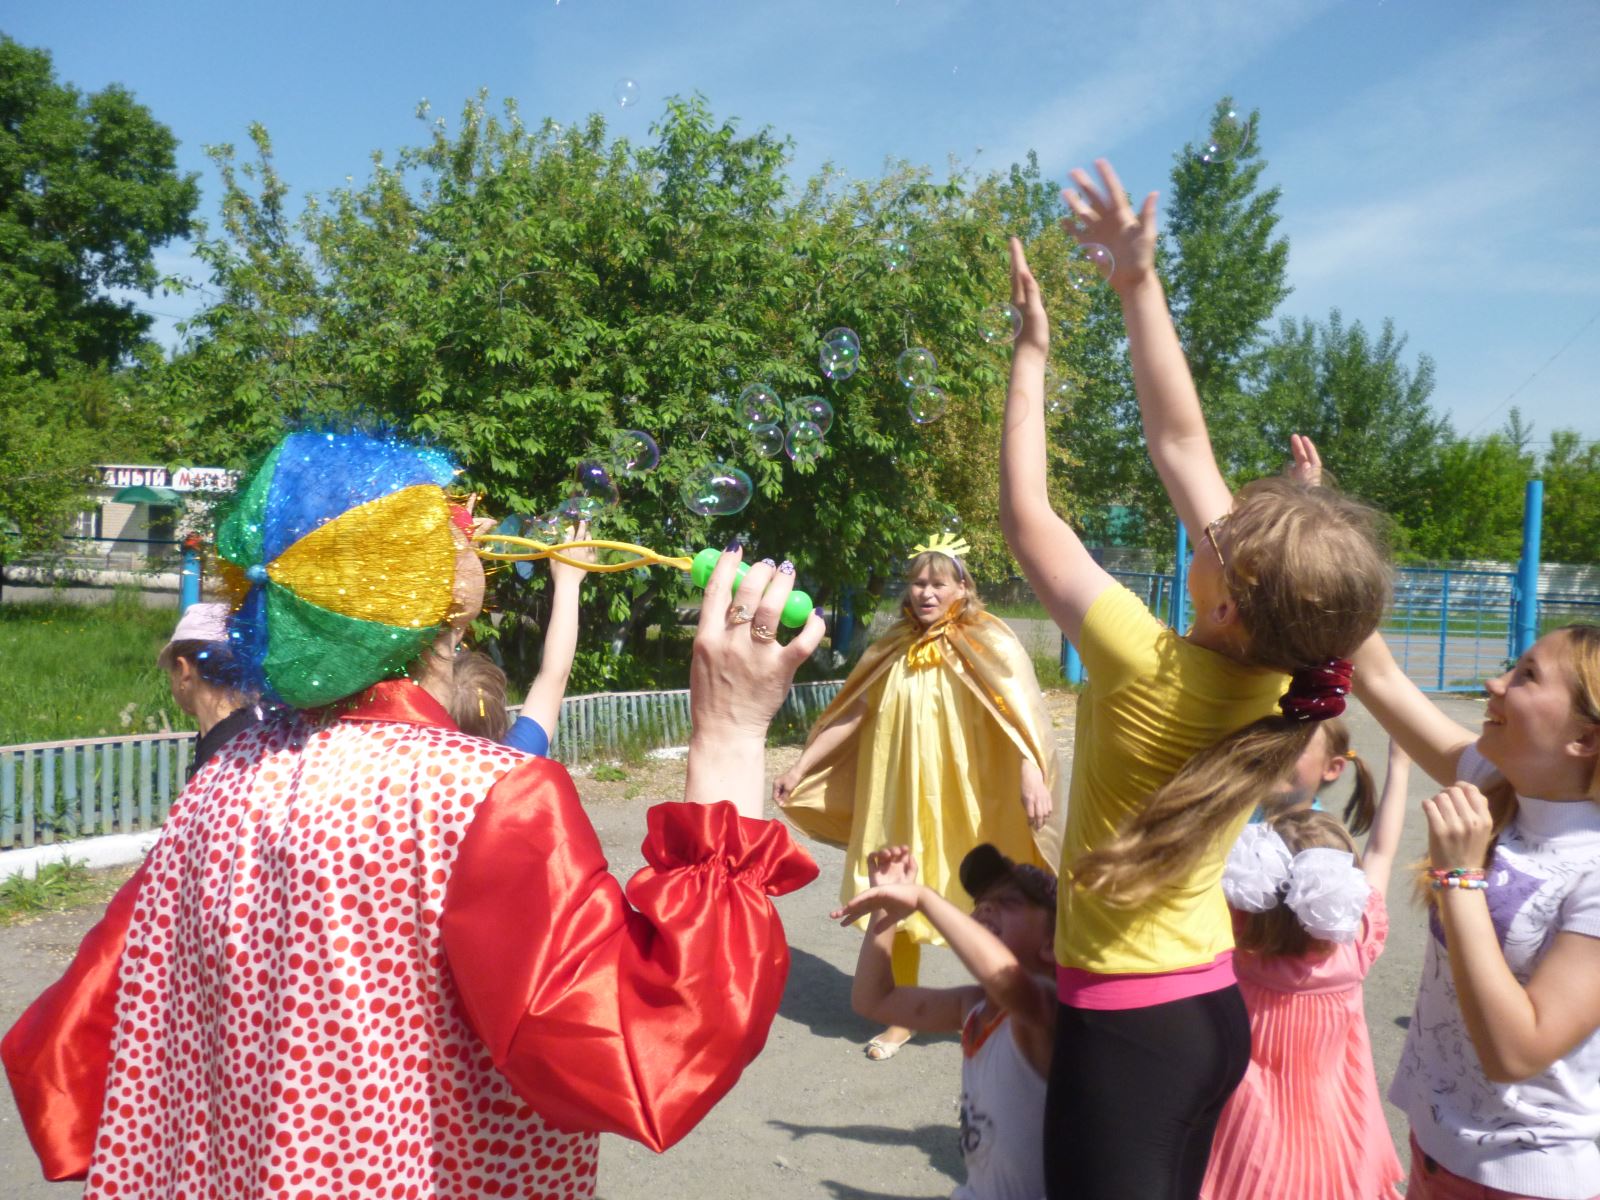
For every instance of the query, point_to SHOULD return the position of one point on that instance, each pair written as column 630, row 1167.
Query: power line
column 1516, row 390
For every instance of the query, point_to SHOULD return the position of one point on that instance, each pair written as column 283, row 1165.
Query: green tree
column 1366, row 409
column 1571, row 474
column 1469, row 506
column 89, row 188
column 521, row 295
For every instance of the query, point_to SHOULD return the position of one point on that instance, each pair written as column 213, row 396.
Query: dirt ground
column 812, row 1116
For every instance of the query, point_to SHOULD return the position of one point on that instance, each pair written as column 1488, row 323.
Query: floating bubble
column 818, row 411
column 546, row 527
column 596, row 483
column 578, row 507
column 1228, row 135
column 768, row 439
column 896, row 253
column 1059, row 392
column 635, row 451
column 999, row 324
column 626, row 92
column 804, row 443
column 952, row 523
column 1098, row 259
column 843, row 333
column 839, row 358
column 515, row 526
column 916, row 367
column 760, row 405
column 927, row 404
column 716, row 490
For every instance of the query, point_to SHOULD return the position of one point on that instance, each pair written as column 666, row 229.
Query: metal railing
column 59, row 791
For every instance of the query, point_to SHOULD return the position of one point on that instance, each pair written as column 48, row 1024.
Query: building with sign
column 141, row 514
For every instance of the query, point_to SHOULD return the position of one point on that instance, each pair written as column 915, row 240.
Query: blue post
column 844, row 621
column 1444, row 625
column 1178, row 617
column 189, row 579
column 1071, row 664
column 1528, row 568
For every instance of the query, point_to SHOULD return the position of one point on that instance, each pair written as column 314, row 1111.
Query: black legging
column 1135, row 1094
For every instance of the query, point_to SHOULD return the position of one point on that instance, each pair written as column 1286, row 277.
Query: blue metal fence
column 55, row 791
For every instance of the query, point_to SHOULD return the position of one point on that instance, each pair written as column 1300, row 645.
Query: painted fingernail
column 767, row 562
column 733, row 547
column 786, row 567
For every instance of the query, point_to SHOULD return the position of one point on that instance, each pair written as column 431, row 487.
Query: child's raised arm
column 894, row 896
column 1383, row 843
column 1060, row 570
column 543, row 703
column 1174, row 427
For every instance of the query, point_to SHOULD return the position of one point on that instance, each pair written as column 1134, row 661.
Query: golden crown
column 947, row 544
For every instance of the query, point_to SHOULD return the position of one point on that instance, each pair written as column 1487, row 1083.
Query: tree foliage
column 89, row 188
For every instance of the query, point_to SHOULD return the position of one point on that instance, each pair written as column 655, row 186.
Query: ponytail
column 1362, row 806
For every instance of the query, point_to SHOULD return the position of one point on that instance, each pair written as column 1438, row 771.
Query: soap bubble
column 916, row 367
column 1098, row 259
column 805, row 442
column 952, row 523
column 1228, row 135
column 999, row 324
column 843, row 333
column 626, row 92
column 514, row 526
column 927, row 404
column 596, row 484
column 896, row 253
column 839, row 358
column 545, row 527
column 635, row 451
column 578, row 507
column 768, row 439
column 818, row 411
column 716, row 490
column 760, row 405
column 1059, row 392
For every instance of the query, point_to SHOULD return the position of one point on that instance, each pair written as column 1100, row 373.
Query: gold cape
column 994, row 716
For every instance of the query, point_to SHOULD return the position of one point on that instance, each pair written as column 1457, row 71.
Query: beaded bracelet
column 1464, row 882
column 1456, row 873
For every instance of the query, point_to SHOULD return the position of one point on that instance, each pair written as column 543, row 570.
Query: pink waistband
column 1077, row 988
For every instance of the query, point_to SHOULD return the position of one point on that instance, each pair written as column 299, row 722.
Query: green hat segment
column 240, row 537
column 316, row 656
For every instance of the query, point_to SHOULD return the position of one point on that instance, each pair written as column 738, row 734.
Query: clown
column 372, row 956
column 939, row 741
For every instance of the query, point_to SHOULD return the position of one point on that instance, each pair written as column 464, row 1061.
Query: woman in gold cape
column 939, row 740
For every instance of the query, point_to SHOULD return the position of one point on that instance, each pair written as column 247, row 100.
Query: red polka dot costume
column 375, row 957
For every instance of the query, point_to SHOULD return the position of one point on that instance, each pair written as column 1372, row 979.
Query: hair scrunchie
column 1317, row 693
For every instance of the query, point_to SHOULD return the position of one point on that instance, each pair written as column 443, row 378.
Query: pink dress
column 1307, row 1121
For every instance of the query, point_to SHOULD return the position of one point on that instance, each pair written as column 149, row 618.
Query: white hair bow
column 1325, row 889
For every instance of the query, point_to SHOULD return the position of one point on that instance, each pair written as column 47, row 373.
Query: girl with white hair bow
column 1309, row 919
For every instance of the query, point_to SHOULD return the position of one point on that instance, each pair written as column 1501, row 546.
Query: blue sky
column 1439, row 159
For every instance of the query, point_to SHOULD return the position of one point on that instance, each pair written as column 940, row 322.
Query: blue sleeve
column 529, row 736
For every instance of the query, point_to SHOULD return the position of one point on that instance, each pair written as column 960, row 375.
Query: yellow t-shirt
column 1153, row 699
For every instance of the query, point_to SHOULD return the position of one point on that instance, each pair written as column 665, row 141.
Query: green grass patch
column 84, row 670
column 56, row 888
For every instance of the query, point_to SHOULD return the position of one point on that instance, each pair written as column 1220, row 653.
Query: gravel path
column 812, row 1117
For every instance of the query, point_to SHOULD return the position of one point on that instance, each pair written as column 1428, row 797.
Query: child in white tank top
column 1007, row 1021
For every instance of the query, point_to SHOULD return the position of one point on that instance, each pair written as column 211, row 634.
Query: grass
column 83, row 670
column 56, row 888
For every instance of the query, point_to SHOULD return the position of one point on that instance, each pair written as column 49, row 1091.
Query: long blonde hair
column 1308, row 569
column 965, row 607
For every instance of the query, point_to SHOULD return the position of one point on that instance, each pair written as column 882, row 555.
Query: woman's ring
column 738, row 614
column 762, row 633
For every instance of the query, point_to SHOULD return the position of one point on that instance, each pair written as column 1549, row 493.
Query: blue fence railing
column 58, row 791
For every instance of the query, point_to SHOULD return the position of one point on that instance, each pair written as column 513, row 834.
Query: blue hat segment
column 320, row 476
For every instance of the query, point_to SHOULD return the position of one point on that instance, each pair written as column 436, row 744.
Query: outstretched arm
column 1174, row 428
column 1421, row 728
column 1060, row 570
column 1383, row 843
column 543, row 703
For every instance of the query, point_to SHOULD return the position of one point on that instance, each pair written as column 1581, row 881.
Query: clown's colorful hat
column 343, row 559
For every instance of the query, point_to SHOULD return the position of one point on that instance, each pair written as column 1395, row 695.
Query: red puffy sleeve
column 57, row 1054
column 630, row 1014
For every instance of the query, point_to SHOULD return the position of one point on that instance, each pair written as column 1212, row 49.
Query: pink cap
column 202, row 623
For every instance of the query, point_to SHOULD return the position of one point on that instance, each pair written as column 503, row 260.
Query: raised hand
column 1101, row 214
column 1459, row 827
column 1029, row 302
column 1305, row 464
column 897, row 901
column 890, row 865
column 565, row 573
